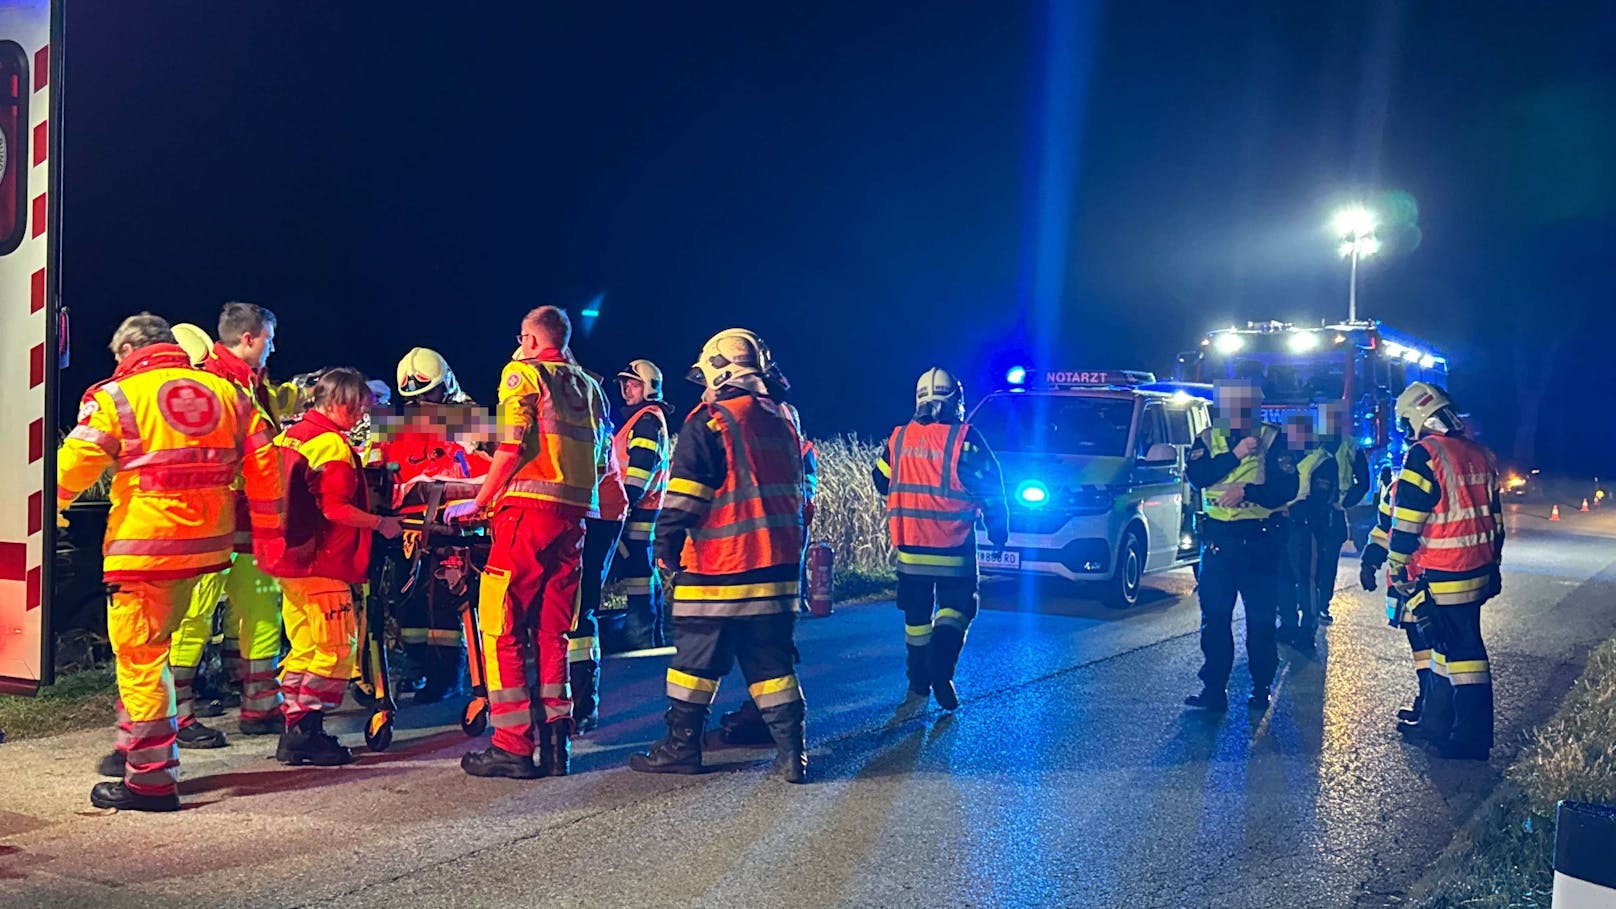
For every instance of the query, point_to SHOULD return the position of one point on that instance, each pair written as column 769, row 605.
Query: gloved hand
column 467, row 510
column 1366, row 575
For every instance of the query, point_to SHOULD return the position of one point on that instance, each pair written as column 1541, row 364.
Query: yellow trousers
column 324, row 631
column 141, row 619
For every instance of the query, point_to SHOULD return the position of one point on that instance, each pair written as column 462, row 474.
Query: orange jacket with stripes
column 554, row 415
column 1447, row 517
column 178, row 438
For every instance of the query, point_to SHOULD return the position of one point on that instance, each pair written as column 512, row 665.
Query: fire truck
column 1360, row 366
column 30, row 142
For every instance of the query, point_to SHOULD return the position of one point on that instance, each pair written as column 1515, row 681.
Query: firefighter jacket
column 554, row 416
column 938, row 479
column 274, row 403
column 178, row 438
column 732, row 517
column 322, row 474
column 645, row 449
column 1447, row 522
column 1269, row 475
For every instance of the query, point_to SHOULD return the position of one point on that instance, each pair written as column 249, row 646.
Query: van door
column 1158, row 488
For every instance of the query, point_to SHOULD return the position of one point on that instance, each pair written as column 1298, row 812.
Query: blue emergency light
column 1015, row 375
column 1032, row 492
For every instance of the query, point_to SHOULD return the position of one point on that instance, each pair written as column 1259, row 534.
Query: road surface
column 1071, row 776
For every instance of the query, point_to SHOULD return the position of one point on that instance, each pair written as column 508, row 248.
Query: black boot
column 919, row 669
column 196, row 735
column 1208, row 699
column 117, row 795
column 680, row 751
column 308, row 743
column 497, row 762
column 555, row 748
column 112, row 765
column 788, row 727
column 1412, row 714
column 585, row 700
column 944, row 652
column 745, row 727
column 272, row 723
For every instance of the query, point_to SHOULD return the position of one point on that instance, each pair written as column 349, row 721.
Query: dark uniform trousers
column 583, row 645
column 1459, row 705
column 937, row 613
column 1244, row 563
column 644, row 623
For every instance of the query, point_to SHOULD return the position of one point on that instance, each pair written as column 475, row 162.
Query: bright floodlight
column 1353, row 221
column 1302, row 341
column 1228, row 343
column 1363, row 246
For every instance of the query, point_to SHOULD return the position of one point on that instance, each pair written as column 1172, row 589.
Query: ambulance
column 1093, row 466
column 30, row 144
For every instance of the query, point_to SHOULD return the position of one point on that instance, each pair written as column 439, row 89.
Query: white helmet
column 939, row 392
column 729, row 356
column 1423, row 409
column 646, row 373
column 195, row 341
column 424, row 369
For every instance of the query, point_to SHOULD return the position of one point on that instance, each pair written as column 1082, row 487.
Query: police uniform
column 1241, row 554
column 1330, row 479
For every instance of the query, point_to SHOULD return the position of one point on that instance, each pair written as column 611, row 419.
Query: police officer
column 1298, row 611
column 1445, row 545
column 938, row 476
column 1349, row 466
column 731, row 527
column 1245, row 474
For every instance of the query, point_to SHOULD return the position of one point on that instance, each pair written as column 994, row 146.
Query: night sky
column 873, row 187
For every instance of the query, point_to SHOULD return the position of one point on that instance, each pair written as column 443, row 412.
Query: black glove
column 1366, row 575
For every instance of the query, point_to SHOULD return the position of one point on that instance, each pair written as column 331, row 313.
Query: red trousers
column 525, row 607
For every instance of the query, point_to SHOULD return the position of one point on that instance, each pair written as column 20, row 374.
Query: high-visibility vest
column 1462, row 532
column 273, row 402
column 179, row 437
column 553, row 411
column 1304, row 471
column 315, row 455
column 755, row 517
column 927, row 504
column 1346, row 456
column 611, row 503
column 1250, row 471
column 656, row 485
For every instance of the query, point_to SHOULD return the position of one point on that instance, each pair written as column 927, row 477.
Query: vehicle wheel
column 475, row 720
column 379, row 732
column 1122, row 590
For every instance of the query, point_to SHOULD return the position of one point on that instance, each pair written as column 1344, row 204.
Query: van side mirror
column 1161, row 454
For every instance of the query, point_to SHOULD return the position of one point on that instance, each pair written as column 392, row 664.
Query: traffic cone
column 1554, row 514
column 1584, row 504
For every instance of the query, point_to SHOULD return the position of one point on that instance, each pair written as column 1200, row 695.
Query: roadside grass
column 79, row 700
column 1503, row 857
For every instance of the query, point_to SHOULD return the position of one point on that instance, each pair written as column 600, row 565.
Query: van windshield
column 1055, row 424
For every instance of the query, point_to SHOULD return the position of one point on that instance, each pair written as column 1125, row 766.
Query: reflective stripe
column 683, row 487
column 1469, row 672
column 105, row 441
column 571, row 495
column 927, row 514
column 551, row 426
column 648, row 444
column 732, row 608
column 1463, row 542
column 1414, row 479
column 1422, row 659
column 885, row 468
column 742, row 528
column 1461, row 514
column 917, row 635
column 583, row 650
column 1409, row 514
column 1439, row 664
column 951, row 618
column 551, row 690
column 686, row 504
column 200, row 546
column 917, row 558
column 765, row 491
column 636, row 473
column 132, row 443
column 691, row 689
column 170, row 456
column 774, row 692
column 636, row 587
column 738, row 591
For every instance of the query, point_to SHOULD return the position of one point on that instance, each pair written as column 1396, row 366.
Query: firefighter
column 1246, row 474
column 1397, row 616
column 177, row 438
column 429, row 619
column 1351, row 475
column 603, row 528
column 546, row 475
column 1445, row 545
column 731, row 530
column 939, row 477
column 644, row 447
column 327, row 553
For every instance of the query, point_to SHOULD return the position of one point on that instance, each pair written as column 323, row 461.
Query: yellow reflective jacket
column 554, row 415
column 1252, row 470
column 177, row 437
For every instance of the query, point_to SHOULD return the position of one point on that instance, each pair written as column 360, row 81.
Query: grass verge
column 1503, row 858
column 79, row 700
column 859, row 585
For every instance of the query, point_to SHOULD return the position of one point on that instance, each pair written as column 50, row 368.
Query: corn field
column 849, row 514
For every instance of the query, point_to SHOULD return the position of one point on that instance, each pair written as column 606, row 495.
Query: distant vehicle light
column 1367, row 442
column 1302, row 341
column 1411, row 355
column 1016, row 375
column 1228, row 343
column 1428, row 362
column 1032, row 492
column 1516, row 481
column 1392, row 349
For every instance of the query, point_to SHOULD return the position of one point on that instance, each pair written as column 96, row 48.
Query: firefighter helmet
column 424, row 369
column 940, row 393
column 1424, row 408
column 195, row 340
column 729, row 356
column 646, row 373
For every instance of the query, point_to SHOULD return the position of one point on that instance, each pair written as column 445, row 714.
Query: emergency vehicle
column 1361, row 366
column 1093, row 467
column 30, row 143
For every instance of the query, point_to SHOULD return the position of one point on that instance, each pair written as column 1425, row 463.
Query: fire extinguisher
column 821, row 561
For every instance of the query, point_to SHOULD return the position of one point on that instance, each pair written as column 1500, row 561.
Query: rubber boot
column 495, row 761
column 196, row 735
column 944, row 652
column 442, row 665
column 680, row 751
column 788, row 727
column 112, row 765
column 919, row 669
column 585, row 698
column 117, row 795
column 308, row 743
column 745, row 727
column 555, row 748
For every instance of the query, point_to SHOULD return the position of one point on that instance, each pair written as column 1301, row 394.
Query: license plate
column 998, row 558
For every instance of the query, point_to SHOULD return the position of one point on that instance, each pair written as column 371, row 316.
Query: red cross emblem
column 188, row 407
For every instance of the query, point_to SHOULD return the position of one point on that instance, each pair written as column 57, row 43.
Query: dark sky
column 868, row 185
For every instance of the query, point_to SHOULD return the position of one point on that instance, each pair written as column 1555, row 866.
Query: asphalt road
column 1071, row 776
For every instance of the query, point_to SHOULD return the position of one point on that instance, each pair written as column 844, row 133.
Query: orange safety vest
column 657, row 485
column 553, row 413
column 755, row 519
column 179, row 438
column 927, row 505
column 613, row 499
column 1462, row 533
